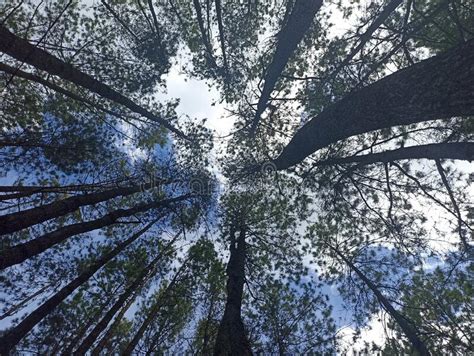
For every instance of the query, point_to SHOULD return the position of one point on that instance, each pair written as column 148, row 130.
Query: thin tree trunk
column 407, row 328
column 14, row 335
column 205, row 40
column 22, row 252
column 299, row 21
column 108, row 334
column 147, row 272
column 20, row 220
column 436, row 88
column 24, row 51
column 440, row 168
column 231, row 337
column 153, row 312
column 365, row 37
column 454, row 150
column 119, row 20
column 221, row 36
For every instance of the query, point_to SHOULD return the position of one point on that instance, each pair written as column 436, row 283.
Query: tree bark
column 20, row 220
column 22, row 252
column 407, row 328
column 299, row 21
column 436, row 88
column 14, row 335
column 24, row 51
column 455, row 150
column 231, row 337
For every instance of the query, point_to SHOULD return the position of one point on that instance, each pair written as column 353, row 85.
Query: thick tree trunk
column 24, row 51
column 299, row 21
column 436, row 88
column 231, row 337
column 20, row 220
column 22, row 252
column 455, row 150
column 13, row 336
column 407, row 328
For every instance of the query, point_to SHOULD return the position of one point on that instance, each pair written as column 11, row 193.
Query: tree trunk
column 34, row 78
column 20, row 220
column 13, row 336
column 222, row 37
column 108, row 334
column 24, row 51
column 153, row 312
column 22, row 252
column 365, row 37
column 436, row 88
column 407, row 328
column 231, row 337
column 455, row 150
column 205, row 40
column 102, row 324
column 299, row 21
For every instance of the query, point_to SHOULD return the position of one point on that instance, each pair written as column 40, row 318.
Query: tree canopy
column 323, row 196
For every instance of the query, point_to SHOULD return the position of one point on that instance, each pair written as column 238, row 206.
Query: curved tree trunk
column 299, row 21
column 22, row 252
column 14, row 335
column 231, row 337
column 24, row 51
column 436, row 88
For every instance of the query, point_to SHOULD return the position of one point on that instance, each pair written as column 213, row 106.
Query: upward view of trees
column 339, row 206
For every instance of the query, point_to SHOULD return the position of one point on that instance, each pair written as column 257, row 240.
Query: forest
column 236, row 177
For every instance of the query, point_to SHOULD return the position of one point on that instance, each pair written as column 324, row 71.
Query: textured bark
column 231, row 337
column 299, row 21
column 407, row 328
column 436, row 88
column 457, row 150
column 13, row 336
column 22, row 252
column 20, row 220
column 24, row 51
